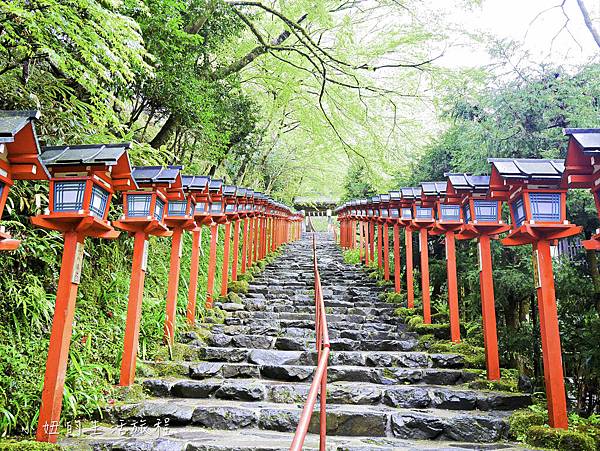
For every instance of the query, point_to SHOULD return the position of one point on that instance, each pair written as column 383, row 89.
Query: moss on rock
column 26, row 445
column 559, row 439
column 239, row 286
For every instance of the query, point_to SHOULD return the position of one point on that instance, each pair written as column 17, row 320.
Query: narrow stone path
column 244, row 386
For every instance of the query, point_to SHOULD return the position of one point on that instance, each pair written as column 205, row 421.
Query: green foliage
column 239, row 286
column 357, row 183
column 559, row 439
column 26, row 445
column 352, row 256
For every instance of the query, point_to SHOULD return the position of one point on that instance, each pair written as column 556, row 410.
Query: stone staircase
column 243, row 387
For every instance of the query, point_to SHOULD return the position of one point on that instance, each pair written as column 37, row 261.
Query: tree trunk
column 164, row 134
column 588, row 22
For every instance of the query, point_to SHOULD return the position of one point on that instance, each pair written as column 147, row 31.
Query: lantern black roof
column 363, row 201
column 375, row 199
column 194, row 182
column 229, row 190
column 12, row 122
column 395, row 195
column 384, row 197
column 215, row 185
column 155, row 174
column 528, row 168
column 249, row 192
column 241, row 192
column 469, row 182
column 86, row 154
column 587, row 138
column 433, row 188
column 411, row 192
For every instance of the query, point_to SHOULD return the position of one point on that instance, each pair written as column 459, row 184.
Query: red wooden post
column 134, row 310
column 386, row 252
column 247, row 221
column 452, row 287
column 397, row 281
column 410, row 284
column 194, row 268
column 380, row 246
column 173, row 284
column 488, row 309
column 225, row 269
column 425, row 294
column 236, row 249
column 550, row 335
column 212, row 263
column 371, row 234
column 60, row 340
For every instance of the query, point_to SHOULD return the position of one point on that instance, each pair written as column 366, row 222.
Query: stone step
column 298, row 373
column 357, row 393
column 310, row 324
column 371, row 358
column 296, row 344
column 194, row 438
column 345, row 420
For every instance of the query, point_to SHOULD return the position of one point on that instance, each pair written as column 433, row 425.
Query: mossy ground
column 530, row 426
column 25, row 445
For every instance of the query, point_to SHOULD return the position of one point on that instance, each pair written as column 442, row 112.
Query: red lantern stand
column 378, row 228
column 259, row 200
column 247, row 237
column 583, row 158
column 19, row 159
column 352, row 215
column 482, row 219
column 143, row 213
column 217, row 215
column 82, row 181
column 536, row 193
column 449, row 221
column 424, row 220
column 371, row 220
column 394, row 219
column 407, row 206
column 196, row 186
column 230, row 200
column 179, row 217
column 361, row 218
column 384, row 217
column 241, row 214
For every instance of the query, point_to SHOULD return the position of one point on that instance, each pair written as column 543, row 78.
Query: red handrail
column 319, row 383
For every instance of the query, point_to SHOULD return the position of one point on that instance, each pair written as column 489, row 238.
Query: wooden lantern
column 196, row 187
column 19, row 159
column 582, row 168
column 143, row 215
column 482, row 221
column 536, row 193
column 82, row 182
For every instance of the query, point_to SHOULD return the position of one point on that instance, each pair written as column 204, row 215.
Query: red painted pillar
column 452, row 287
column 551, row 347
column 410, row 284
column 236, row 249
column 257, row 229
column 225, row 267
column 134, row 309
column 60, row 341
column 397, row 282
column 367, row 243
column 173, row 287
column 386, row 252
column 194, row 267
column 371, row 235
column 245, row 245
column 425, row 295
column 379, row 245
column 360, row 242
column 212, row 264
column 488, row 309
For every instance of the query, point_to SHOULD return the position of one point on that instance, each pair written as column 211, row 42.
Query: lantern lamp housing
column 536, row 193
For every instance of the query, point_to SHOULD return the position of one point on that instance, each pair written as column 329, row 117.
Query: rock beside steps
column 244, row 387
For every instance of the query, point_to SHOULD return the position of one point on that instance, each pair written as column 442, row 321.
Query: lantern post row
column 384, row 215
column 394, row 218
